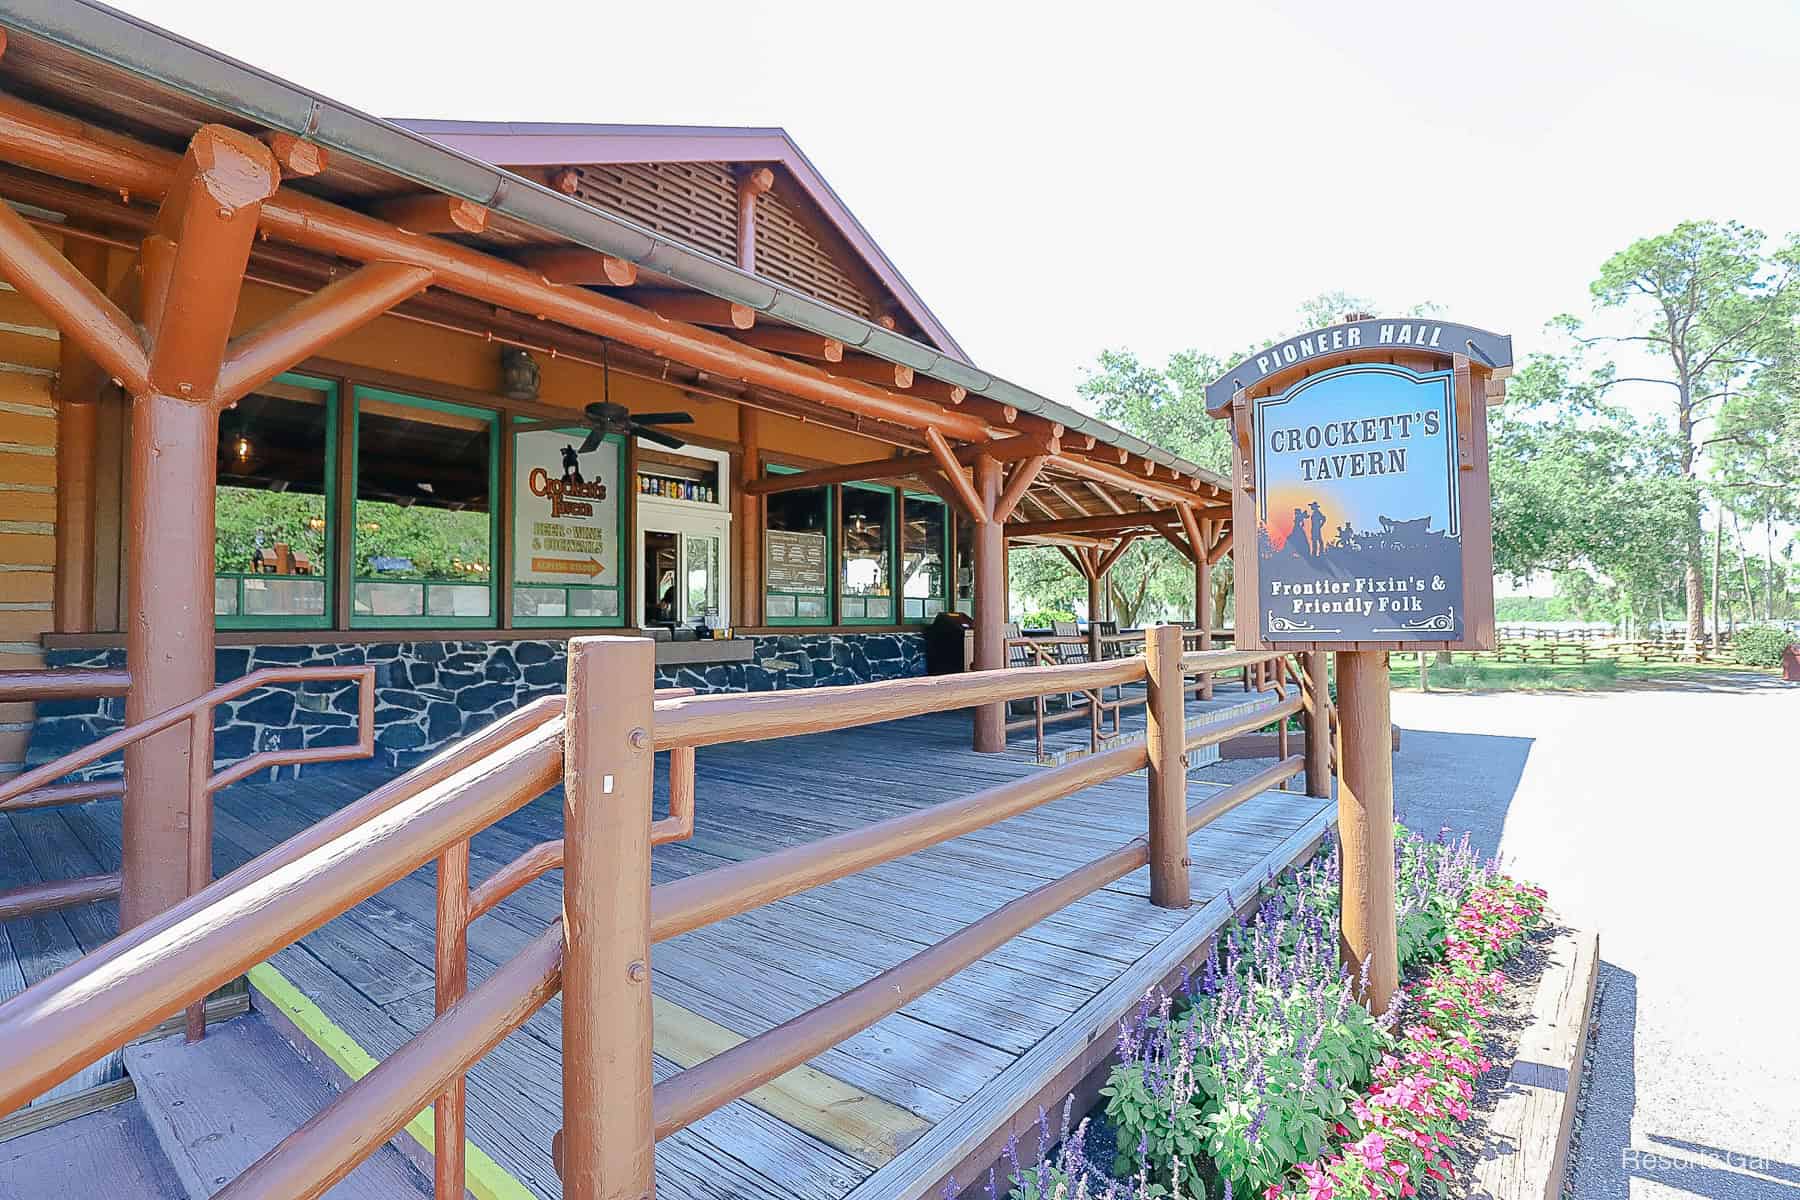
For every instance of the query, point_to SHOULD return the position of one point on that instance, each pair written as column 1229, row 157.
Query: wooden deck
column 884, row 1114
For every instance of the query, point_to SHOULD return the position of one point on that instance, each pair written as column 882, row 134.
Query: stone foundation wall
column 429, row 692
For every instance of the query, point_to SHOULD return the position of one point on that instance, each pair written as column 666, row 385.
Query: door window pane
column 702, row 578
column 423, row 543
column 866, row 564
column 964, row 600
column 272, row 543
column 923, row 580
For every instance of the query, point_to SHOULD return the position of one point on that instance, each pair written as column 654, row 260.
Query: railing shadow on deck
column 599, row 742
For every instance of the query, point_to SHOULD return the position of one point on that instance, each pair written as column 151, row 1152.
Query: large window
column 866, row 563
column 924, row 543
column 423, row 541
column 272, row 542
column 797, row 557
column 568, row 524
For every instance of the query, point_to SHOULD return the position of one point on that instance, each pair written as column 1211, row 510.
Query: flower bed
column 1266, row 1078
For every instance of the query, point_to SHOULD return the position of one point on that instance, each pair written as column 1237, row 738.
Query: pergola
column 117, row 136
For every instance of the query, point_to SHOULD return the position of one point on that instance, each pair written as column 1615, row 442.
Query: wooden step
column 113, row 1149
column 220, row 1104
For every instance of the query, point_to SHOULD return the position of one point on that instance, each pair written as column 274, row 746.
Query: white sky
column 1055, row 180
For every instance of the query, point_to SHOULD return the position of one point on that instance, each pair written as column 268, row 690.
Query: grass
column 1466, row 673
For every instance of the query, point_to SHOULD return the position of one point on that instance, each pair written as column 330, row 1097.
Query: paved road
column 1670, row 819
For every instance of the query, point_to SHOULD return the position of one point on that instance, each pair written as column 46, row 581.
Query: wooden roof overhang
column 94, row 108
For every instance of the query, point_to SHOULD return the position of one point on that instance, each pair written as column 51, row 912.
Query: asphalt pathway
column 1668, row 817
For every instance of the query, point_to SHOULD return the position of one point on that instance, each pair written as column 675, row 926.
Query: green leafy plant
column 1761, row 645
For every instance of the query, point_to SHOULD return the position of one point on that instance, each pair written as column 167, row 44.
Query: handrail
column 126, row 986
column 114, row 742
column 63, row 683
column 757, row 716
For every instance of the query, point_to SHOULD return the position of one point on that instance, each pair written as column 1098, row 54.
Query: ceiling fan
column 604, row 417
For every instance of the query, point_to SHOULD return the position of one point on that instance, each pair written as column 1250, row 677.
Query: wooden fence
column 599, row 741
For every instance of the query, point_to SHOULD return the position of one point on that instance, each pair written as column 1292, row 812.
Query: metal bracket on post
column 1166, row 710
column 608, row 1138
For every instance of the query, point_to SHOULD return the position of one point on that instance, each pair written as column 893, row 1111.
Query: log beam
column 1117, row 551
column 874, row 370
column 750, row 184
column 299, row 158
column 81, row 311
column 1153, row 520
column 696, row 308
column 797, row 343
column 937, row 390
column 1023, row 476
column 257, row 356
column 979, row 507
column 578, row 266
column 433, row 212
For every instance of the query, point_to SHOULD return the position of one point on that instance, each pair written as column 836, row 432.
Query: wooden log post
column 990, row 603
column 1203, row 613
column 1166, row 711
column 1318, row 725
column 1366, row 822
column 193, row 268
column 608, row 1139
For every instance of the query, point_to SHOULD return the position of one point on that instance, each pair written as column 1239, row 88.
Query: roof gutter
column 198, row 71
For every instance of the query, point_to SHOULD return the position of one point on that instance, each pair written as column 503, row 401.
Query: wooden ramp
column 885, row 1114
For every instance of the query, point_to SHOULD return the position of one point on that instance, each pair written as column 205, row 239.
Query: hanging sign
column 1361, row 510
column 565, row 509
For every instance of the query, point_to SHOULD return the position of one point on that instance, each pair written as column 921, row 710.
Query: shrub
column 1043, row 618
column 1761, row 645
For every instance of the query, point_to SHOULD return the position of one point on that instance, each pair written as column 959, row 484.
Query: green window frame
column 926, row 614
column 830, row 594
column 572, row 591
column 847, row 603
column 238, row 618
column 425, row 619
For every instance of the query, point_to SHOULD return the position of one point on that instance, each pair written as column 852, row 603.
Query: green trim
column 492, row 620
column 893, row 556
column 830, row 593
column 487, row 1179
column 617, row 442
column 240, row 620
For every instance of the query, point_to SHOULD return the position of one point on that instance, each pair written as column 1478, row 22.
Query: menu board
column 795, row 562
column 565, row 509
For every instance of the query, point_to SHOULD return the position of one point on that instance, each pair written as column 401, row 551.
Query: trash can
column 945, row 639
column 1790, row 663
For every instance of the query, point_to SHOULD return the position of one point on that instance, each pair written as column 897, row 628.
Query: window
column 568, row 521
column 964, row 600
column 422, row 546
column 797, row 556
column 273, row 522
column 924, row 537
column 866, row 563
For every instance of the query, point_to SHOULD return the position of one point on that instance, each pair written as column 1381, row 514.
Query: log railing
column 599, row 742
column 36, row 788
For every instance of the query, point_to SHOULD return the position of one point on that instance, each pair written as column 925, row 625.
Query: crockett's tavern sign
column 1361, row 498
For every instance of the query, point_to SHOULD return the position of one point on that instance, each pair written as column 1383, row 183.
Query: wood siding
column 696, row 204
column 29, row 346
